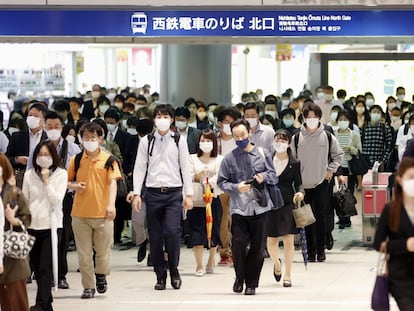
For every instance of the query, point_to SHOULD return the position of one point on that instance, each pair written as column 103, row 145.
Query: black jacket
column 401, row 262
column 19, row 146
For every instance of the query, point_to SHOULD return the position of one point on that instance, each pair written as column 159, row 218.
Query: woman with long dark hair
column 44, row 186
column 395, row 236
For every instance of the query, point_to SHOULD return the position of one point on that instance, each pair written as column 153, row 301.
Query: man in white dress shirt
column 162, row 167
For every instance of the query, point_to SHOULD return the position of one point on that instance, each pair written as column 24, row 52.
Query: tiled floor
column 343, row 282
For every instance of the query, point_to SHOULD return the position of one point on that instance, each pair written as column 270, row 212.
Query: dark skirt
column 281, row 222
column 197, row 225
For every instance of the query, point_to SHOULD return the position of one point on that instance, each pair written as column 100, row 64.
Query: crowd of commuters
column 71, row 159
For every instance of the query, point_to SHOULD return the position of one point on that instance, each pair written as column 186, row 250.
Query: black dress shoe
column 311, row 257
column 160, row 285
column 101, row 284
column 88, row 293
column 63, row 284
column 175, row 279
column 149, row 261
column 142, row 251
column 250, row 291
column 321, row 257
column 278, row 276
column 238, row 286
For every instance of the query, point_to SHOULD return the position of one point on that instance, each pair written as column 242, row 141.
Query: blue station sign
column 205, row 23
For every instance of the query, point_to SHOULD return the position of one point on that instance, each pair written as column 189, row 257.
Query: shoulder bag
column 359, row 164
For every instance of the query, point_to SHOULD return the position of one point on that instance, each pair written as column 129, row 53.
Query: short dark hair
column 62, row 105
column 164, row 109
column 145, row 126
column 103, row 125
column 344, row 113
column 119, row 98
column 113, row 112
column 231, row 112
column 376, row 107
column 102, row 100
column 209, row 134
column 142, row 97
column 40, row 107
column 252, row 105
column 270, row 99
column 91, row 127
column 131, row 95
column 240, row 122
column 75, row 100
column 182, row 112
column 283, row 134
column 53, row 152
column 53, row 115
column 189, row 101
column 341, row 93
column 312, row 107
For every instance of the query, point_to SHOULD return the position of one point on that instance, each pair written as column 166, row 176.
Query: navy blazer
column 192, row 139
column 19, row 146
column 290, row 180
column 122, row 139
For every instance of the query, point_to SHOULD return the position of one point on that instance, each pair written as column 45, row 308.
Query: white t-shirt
column 227, row 146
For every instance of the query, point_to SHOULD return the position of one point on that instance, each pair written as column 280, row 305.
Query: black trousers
column 164, row 219
column 41, row 259
column 123, row 212
column 66, row 236
column 248, row 246
column 405, row 303
column 319, row 198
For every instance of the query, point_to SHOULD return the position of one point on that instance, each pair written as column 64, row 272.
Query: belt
column 165, row 189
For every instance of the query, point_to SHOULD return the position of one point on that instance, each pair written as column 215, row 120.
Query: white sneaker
column 199, row 273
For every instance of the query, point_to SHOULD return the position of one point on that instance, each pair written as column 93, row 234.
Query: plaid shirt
column 376, row 141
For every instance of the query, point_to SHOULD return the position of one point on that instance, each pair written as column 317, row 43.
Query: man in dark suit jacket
column 22, row 143
column 182, row 114
column 89, row 106
column 122, row 139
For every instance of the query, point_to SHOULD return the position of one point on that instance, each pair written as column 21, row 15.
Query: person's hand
column 80, row 186
column 298, row 197
column 1, row 268
column 22, row 160
column 328, row 175
column 12, row 180
column 243, row 187
column 188, row 203
column 45, row 173
column 110, row 212
column 341, row 179
column 259, row 178
column 10, row 214
column 130, row 197
column 410, row 244
column 346, row 148
column 137, row 203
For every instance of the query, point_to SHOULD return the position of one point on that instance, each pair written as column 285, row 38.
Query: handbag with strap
column 380, row 300
column 344, row 202
column 198, row 191
column 303, row 214
column 17, row 244
column 359, row 164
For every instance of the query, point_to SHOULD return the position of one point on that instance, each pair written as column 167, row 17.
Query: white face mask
column 312, row 123
column 54, row 135
column 33, row 122
column 369, row 102
column 285, row 103
column 320, row 95
column 408, row 187
column 206, row 146
column 91, row 146
column 103, row 108
column 95, row 94
column 132, row 131
column 401, row 97
column 271, row 113
column 252, row 122
column 391, row 106
column 334, row 115
column 44, row 161
column 328, row 97
column 226, row 129
column 111, row 127
column 162, row 124
column 181, row 125
column 343, row 125
column 395, row 118
column 201, row 115
column 13, row 130
column 70, row 138
column 360, row 110
column 375, row 117
column 280, row 147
